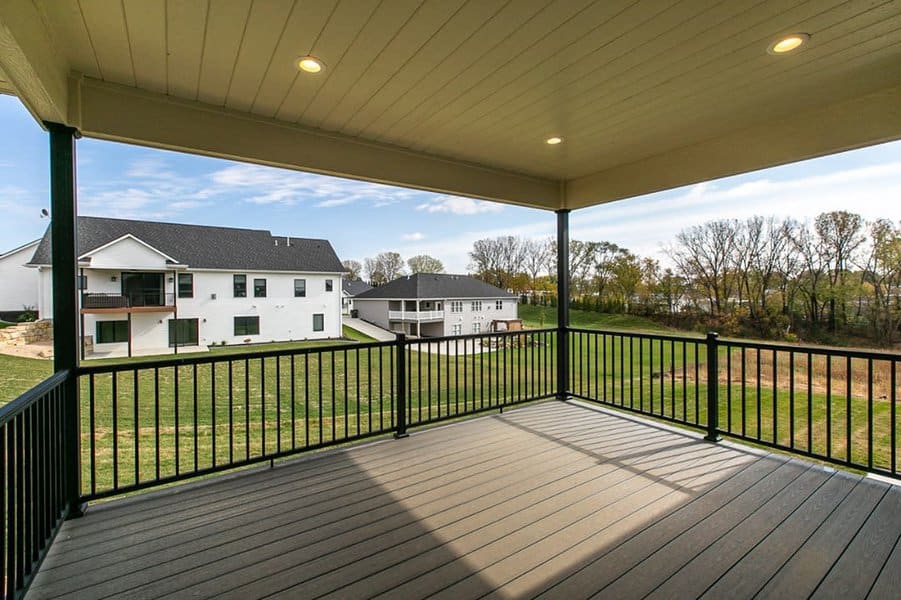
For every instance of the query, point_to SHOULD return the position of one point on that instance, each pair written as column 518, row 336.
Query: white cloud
column 459, row 206
column 281, row 186
column 413, row 237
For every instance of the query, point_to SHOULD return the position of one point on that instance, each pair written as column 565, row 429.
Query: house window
column 499, row 304
column 318, row 322
column 185, row 285
column 476, row 306
column 456, row 306
column 300, row 288
column 328, row 285
column 259, row 288
column 247, row 326
column 111, row 332
column 477, row 328
column 240, row 285
column 183, row 332
column 82, row 282
column 458, row 329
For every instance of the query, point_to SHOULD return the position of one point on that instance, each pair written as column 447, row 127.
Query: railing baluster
column 775, row 403
column 196, row 422
column 176, row 399
column 247, row 408
column 231, row 414
column 791, row 402
column 828, row 405
column 870, row 413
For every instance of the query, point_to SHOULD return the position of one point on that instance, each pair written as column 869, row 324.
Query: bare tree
column 424, row 263
column 384, row 267
column 883, row 272
column 499, row 260
column 705, row 255
column 537, row 257
column 353, row 268
column 841, row 234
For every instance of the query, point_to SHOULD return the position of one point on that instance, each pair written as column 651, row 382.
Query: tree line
column 388, row 266
column 836, row 278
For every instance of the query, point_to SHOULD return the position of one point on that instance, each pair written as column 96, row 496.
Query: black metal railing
column 832, row 404
column 449, row 377
column 145, row 424
column 142, row 299
column 35, row 482
column 162, row 421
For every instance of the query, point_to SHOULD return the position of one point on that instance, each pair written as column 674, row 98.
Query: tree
column 841, row 235
column 498, row 260
column 385, row 267
column 705, row 255
column 883, row 272
column 353, row 268
column 425, row 264
column 537, row 258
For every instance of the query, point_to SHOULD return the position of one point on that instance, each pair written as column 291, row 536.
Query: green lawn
column 18, row 375
column 546, row 316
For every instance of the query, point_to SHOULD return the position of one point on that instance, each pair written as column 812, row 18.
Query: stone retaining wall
column 27, row 333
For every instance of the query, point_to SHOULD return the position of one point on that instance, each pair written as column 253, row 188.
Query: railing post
column 65, row 305
column 401, row 375
column 563, row 357
column 713, row 388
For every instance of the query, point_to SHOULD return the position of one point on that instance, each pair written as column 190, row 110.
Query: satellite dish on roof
column 44, row 213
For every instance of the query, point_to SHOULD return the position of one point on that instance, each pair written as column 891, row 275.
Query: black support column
column 63, row 208
column 562, row 303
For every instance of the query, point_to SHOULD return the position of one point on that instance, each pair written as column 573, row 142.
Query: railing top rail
column 640, row 334
column 781, row 347
column 156, row 363
column 10, row 410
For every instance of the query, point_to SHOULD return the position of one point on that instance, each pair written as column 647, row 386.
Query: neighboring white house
column 349, row 289
column 146, row 286
column 429, row 304
column 18, row 283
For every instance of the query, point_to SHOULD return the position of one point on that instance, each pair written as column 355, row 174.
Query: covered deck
column 557, row 500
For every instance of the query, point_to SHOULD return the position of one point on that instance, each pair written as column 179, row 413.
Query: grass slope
column 546, row 316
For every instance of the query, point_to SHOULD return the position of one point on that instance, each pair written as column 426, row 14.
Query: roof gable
column 127, row 250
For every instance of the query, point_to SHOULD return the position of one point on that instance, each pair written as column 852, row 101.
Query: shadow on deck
column 553, row 500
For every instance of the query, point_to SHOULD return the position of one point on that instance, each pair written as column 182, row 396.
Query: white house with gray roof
column 149, row 287
column 434, row 305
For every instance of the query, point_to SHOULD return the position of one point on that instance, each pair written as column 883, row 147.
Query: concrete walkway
column 373, row 331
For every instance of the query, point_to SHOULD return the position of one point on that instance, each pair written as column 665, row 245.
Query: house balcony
column 416, row 316
column 150, row 302
column 597, row 495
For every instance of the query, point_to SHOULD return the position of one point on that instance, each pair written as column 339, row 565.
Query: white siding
column 128, row 254
column 489, row 313
column 18, row 283
column 374, row 311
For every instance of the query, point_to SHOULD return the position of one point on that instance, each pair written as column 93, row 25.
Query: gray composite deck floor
column 553, row 500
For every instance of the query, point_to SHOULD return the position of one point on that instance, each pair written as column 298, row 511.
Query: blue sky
column 362, row 219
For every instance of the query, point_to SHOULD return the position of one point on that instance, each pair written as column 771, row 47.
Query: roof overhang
column 458, row 99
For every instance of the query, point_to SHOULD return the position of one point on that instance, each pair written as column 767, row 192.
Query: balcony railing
column 145, row 424
column 421, row 315
column 93, row 300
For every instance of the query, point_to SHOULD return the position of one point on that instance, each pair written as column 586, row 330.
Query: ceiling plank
column 185, row 35
column 146, row 22
column 224, row 32
column 112, row 46
column 108, row 112
column 264, row 28
column 863, row 121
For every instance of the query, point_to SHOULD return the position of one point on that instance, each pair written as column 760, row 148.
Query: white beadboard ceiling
column 645, row 94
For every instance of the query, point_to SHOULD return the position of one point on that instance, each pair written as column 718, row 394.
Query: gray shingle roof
column 204, row 247
column 432, row 285
column 352, row 287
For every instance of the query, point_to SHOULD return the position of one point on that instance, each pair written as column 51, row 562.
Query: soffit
column 485, row 82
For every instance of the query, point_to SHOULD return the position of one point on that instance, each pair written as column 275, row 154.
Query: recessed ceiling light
column 553, row 141
column 788, row 43
column 310, row 64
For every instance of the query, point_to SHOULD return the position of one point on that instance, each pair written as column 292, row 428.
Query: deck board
column 551, row 500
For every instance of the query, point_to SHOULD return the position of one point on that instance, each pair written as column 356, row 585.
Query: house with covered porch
column 585, row 492
column 150, row 288
column 436, row 305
